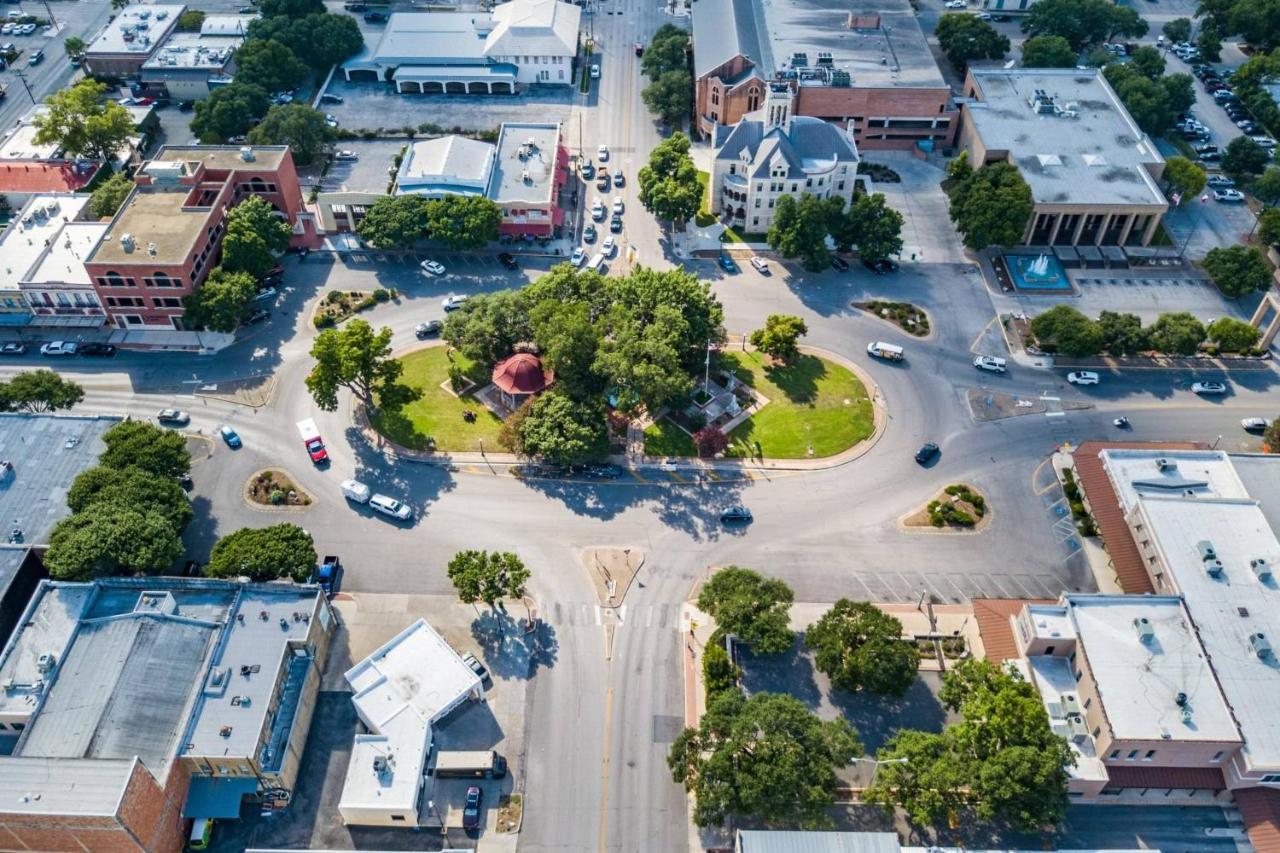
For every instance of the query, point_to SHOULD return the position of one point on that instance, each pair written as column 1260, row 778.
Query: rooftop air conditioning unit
column 1205, row 547
column 127, row 242
column 1262, row 568
column 1261, row 645
column 380, row 764
column 1071, row 704
column 524, row 176
column 1164, row 464
column 1078, row 727
column 1146, row 632
column 246, row 154
column 45, row 663
column 1213, row 568
column 151, row 249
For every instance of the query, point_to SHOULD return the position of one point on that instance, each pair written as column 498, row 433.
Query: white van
column 991, row 363
column 391, row 507
column 354, row 490
column 596, row 264
column 888, row 352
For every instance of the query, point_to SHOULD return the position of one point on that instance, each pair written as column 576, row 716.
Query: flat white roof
column 137, row 28
column 194, row 50
column 1139, row 682
column 1199, row 473
column 64, row 262
column 1230, row 608
column 527, row 163
column 20, row 144
column 400, row 690
column 32, row 231
column 448, row 164
column 1054, row 680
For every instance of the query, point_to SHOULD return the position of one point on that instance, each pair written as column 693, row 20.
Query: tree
column 222, row 302
column 1266, row 188
column 780, row 336
column 264, row 554
column 992, row 206
column 290, row 8
column 719, row 673
column 1272, row 436
column 800, row 228
column 710, row 441
column 255, row 236
column 1209, row 43
column 296, row 125
column 83, row 124
column 269, row 64
column 1148, row 62
column 133, row 488
column 667, row 52
column 751, row 607
column 860, row 647
column 1048, row 52
column 1064, row 329
column 111, row 539
column 670, row 96
column 569, row 344
column 488, row 576
column 1122, row 334
column 1178, row 333
column 39, row 390
column 1244, row 159
column 1237, row 270
column 356, row 358
column 1153, row 103
column 871, row 225
column 964, row 38
column 117, row 5
column 646, row 357
column 74, row 45
column 1126, row 22
column 228, row 111
column 1269, row 227
column 144, row 445
column 1232, row 335
column 556, row 428
column 669, row 187
column 1000, row 763
column 394, row 222
column 1184, row 177
column 109, row 195
column 1179, row 29
column 1083, row 22
column 320, row 39
column 463, row 222
column 767, row 759
column 1259, row 21
column 648, row 294
column 191, row 21
column 489, row 326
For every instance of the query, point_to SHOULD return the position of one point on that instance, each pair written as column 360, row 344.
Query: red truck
column 312, row 441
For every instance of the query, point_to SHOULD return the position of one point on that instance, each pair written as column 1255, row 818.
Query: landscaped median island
column 338, row 305
column 814, row 408
column 440, row 414
column 909, row 318
column 959, row 508
column 275, row 488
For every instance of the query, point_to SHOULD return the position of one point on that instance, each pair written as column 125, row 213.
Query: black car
column 186, row 106
column 257, row 316
column 603, row 181
column 375, row 17
column 926, row 454
column 839, row 264
column 471, row 808
column 427, row 329
column 736, row 513
column 99, row 350
column 881, row 266
column 615, row 224
column 329, row 98
column 589, row 233
column 509, row 261
column 1001, row 18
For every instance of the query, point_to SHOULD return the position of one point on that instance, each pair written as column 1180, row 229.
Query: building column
column 1102, row 229
column 1128, row 226
column 1149, row 234
column 1057, row 225
column 1075, row 236
column 1031, row 227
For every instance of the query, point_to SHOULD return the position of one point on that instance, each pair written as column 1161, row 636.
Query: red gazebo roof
column 522, row 373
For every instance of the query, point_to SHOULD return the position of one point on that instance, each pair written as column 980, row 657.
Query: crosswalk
column 588, row 614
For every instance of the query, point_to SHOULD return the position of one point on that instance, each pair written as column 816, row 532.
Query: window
column 1048, row 650
column 397, row 817
column 759, row 188
column 1133, row 753
column 1115, row 753
column 715, row 97
column 808, row 182
column 1077, row 675
column 1087, row 702
column 1217, row 756
column 1097, row 731
column 1270, row 778
column 795, row 187
column 1151, row 753
column 755, row 220
column 840, row 186
column 757, row 202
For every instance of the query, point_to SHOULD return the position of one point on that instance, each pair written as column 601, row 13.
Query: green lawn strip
column 705, row 216
column 437, row 413
column 664, row 438
column 806, row 407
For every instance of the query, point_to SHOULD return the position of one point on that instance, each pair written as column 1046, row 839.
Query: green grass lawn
column 437, row 413
column 705, row 217
column 807, row 406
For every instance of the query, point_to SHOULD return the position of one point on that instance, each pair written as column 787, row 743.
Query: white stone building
column 773, row 153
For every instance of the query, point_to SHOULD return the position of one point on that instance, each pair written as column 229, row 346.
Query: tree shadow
column 790, row 672
column 511, row 649
column 798, row 379
column 418, row 485
column 878, row 718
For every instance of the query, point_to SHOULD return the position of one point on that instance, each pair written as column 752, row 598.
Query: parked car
column 926, row 454
column 880, row 267
column 36, row 57
column 428, row 329
column 602, row 152
column 618, row 178
column 453, row 302
column 1220, row 182
column 475, row 798
column 727, row 263
column 578, row 257
column 346, row 155
column 329, row 98
column 839, row 264
column 98, row 350
column 1083, row 377
column 597, row 209
column 375, row 17
column 355, row 7
column 589, row 233
column 508, row 260
column 173, row 417
column 391, row 507
column 1255, row 424
column 760, row 264
column 595, row 72
column 13, row 348
column 602, row 181
column 618, row 204
column 991, row 363
column 1209, row 388
column 432, row 267
column 608, row 246
column 257, row 316
column 736, row 514
column 1001, row 18
column 1228, row 195
column 588, row 170
column 956, row 4
column 230, row 436
column 59, row 348
column 638, row 48
column 330, row 120
column 615, row 224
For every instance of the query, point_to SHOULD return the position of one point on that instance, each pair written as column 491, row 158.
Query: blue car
column 728, row 264
column 230, row 436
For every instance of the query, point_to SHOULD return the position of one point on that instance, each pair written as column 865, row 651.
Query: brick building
column 870, row 70
column 130, row 38
column 167, row 236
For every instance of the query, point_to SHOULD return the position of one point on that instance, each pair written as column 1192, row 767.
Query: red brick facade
column 726, row 94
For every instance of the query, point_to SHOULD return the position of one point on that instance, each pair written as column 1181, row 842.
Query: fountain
column 1040, row 272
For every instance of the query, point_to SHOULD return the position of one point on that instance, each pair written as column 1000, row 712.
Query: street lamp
column 876, row 764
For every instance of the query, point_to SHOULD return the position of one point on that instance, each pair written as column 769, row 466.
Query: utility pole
column 53, row 22
column 23, row 77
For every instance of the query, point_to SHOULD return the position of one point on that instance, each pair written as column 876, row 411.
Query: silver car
column 391, row 507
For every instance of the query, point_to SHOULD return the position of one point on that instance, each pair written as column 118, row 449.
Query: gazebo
column 519, row 377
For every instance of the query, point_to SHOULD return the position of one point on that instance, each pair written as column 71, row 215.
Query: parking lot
column 378, row 105
column 1147, row 295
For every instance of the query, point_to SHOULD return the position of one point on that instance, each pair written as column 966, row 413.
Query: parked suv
column 391, row 507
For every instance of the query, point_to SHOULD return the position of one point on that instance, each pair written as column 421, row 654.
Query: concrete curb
column 279, row 510
column 874, row 316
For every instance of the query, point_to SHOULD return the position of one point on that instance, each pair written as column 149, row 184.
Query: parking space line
column 634, row 473
column 673, row 475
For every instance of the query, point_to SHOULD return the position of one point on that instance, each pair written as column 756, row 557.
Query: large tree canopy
column 487, row 576
column 800, row 227
column 111, row 539
column 81, row 122
column 860, row 647
column 669, row 187
column 299, row 126
column 991, row 205
column 144, row 445
column 229, row 111
column 1083, row 22
column 394, row 222
column 39, row 390
column 222, row 303
column 964, row 38
column 269, row 64
column 264, row 554
column 357, row 358
column 319, row 39
column 749, row 606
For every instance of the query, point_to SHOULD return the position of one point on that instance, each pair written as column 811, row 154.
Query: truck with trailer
column 888, row 352
column 312, row 442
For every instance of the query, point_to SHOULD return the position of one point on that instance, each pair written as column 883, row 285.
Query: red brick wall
column 733, row 102
column 153, row 814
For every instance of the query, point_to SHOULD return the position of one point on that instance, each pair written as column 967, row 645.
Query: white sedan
column 617, row 204
column 432, row 267
column 453, row 302
column 608, row 246
column 579, row 257
column 1228, row 195
column 1255, row 424
column 602, row 153
column 1209, row 388
column 1083, row 377
column 957, row 4
column 59, row 348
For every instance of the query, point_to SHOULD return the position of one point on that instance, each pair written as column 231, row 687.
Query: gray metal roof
column 63, row 786
column 810, row 142
column 47, row 452
column 1260, row 474
column 763, row 841
column 10, row 561
column 723, row 29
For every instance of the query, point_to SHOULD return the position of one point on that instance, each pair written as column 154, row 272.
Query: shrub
column 333, row 297
column 381, row 295
column 457, row 379
column 719, row 673
column 276, row 497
